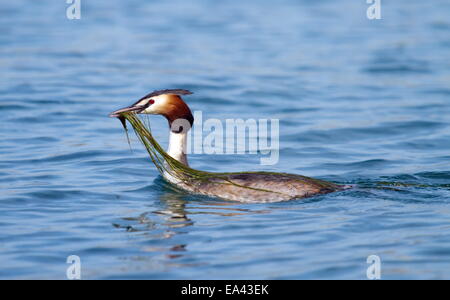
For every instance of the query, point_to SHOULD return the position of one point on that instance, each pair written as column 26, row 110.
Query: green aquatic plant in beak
column 168, row 165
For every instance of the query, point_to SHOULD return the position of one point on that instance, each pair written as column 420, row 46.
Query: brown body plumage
column 261, row 187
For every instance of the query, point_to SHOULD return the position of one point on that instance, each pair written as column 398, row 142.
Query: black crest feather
column 178, row 92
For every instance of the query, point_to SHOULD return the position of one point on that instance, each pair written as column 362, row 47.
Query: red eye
column 151, row 101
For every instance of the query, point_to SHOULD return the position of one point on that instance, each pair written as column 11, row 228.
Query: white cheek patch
column 158, row 106
column 143, row 102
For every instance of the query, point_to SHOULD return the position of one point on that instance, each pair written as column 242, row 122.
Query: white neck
column 178, row 147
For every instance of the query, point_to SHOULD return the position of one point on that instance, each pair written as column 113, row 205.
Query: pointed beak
column 136, row 108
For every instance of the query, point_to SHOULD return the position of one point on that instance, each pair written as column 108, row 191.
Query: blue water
column 360, row 102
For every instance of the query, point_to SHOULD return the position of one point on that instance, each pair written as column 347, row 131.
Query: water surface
column 360, row 102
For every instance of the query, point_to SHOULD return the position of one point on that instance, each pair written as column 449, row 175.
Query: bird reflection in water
column 175, row 217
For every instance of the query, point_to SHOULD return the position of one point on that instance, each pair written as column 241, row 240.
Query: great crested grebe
column 245, row 186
